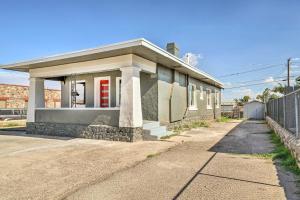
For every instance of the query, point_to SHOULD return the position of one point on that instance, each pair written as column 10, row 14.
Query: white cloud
column 22, row 78
column 227, row 84
column 12, row 77
column 229, row 95
column 192, row 59
column 269, row 80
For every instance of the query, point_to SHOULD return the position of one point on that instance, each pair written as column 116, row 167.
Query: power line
column 255, row 84
column 249, row 81
column 252, row 70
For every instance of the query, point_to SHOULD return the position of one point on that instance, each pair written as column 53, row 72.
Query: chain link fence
column 285, row 111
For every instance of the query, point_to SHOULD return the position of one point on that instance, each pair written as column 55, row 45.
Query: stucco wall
column 89, row 81
column 174, row 98
column 96, row 117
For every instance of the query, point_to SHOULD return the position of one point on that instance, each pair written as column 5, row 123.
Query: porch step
column 153, row 131
column 150, row 124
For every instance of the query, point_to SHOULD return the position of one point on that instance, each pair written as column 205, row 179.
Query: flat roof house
column 114, row 92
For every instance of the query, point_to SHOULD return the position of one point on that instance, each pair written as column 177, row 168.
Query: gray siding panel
column 172, row 98
column 149, row 94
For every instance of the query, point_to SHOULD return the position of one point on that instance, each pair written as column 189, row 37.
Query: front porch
column 100, row 102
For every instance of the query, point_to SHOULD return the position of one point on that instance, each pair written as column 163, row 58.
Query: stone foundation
column 287, row 138
column 100, row 132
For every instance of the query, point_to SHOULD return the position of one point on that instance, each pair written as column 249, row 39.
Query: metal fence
column 285, row 111
column 13, row 113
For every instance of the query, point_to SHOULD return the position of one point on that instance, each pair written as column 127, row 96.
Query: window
column 78, row 96
column 208, row 97
column 201, row 92
column 118, row 91
column 217, row 97
column 192, row 97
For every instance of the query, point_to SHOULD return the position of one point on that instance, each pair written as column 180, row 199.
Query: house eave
column 140, row 47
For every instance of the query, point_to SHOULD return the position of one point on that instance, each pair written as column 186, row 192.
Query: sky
column 224, row 37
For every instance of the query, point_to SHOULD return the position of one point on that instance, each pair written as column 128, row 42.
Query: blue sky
column 231, row 36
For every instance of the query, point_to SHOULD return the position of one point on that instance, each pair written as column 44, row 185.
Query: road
column 209, row 164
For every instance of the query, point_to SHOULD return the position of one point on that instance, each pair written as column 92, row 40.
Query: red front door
column 104, row 93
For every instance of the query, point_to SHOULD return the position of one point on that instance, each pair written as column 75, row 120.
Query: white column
column 131, row 106
column 36, row 97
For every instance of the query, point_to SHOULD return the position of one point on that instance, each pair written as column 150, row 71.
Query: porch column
column 131, row 106
column 36, row 97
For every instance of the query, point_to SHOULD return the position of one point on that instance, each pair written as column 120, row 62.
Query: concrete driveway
column 199, row 164
column 208, row 165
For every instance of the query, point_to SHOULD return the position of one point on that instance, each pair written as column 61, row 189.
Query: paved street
column 205, row 163
column 211, row 166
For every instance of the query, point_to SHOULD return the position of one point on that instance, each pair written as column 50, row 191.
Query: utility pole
column 288, row 71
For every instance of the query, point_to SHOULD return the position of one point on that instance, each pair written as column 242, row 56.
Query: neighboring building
column 227, row 106
column 16, row 96
column 116, row 91
column 254, row 110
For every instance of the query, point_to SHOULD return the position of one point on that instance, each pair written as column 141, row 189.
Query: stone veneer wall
column 287, row 138
column 100, row 132
column 16, row 96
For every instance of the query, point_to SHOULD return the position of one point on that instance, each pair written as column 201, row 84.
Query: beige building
column 16, row 96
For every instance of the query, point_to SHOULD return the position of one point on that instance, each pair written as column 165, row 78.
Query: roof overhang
column 140, row 47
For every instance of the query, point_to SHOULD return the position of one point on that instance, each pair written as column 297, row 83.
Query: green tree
column 266, row 96
column 279, row 88
column 242, row 101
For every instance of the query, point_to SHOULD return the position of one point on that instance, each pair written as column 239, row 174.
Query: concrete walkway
column 208, row 165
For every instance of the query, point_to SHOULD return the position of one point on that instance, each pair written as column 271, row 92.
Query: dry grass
column 12, row 123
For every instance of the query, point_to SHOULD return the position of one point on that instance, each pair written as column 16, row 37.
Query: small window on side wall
column 217, row 97
column 208, row 99
column 192, row 97
column 201, row 92
column 118, row 91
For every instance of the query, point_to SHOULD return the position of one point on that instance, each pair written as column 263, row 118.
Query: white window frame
column 70, row 95
column 217, row 98
column 194, row 96
column 97, row 91
column 208, row 106
column 117, row 91
column 201, row 92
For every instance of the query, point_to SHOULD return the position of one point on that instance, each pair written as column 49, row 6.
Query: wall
column 173, row 97
column 99, row 132
column 89, row 81
column 93, row 117
column 16, row 96
column 289, row 140
column 254, row 110
column 202, row 111
column 149, row 92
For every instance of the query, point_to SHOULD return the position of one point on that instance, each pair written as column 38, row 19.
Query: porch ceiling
column 140, row 47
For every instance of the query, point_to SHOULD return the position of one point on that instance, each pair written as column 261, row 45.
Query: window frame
column 201, row 92
column 209, row 106
column 70, row 95
column 194, row 96
column 118, row 102
column 217, row 98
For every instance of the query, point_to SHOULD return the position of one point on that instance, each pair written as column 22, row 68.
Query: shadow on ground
column 253, row 137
